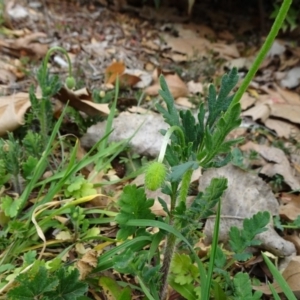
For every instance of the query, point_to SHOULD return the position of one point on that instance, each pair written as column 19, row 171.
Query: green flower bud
column 70, row 82
column 155, row 175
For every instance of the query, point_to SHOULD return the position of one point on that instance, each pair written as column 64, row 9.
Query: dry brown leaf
column 128, row 80
column 292, row 276
column 247, row 100
column 14, row 66
column 278, row 164
column 7, row 77
column 261, row 111
column 87, row 263
column 25, row 46
column 290, row 210
column 283, row 129
column 289, row 112
column 12, row 111
column 290, row 97
column 113, row 71
column 82, row 101
column 188, row 46
column 118, row 69
column 295, row 239
column 183, row 101
column 225, row 51
column 176, row 86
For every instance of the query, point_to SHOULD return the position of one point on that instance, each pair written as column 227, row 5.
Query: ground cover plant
column 34, row 265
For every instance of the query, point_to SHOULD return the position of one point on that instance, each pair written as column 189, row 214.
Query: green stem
column 263, row 51
column 63, row 51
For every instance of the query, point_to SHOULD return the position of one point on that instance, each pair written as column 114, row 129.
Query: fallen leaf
column 183, row 101
column 87, row 263
column 247, row 100
column 113, row 71
column 176, row 86
column 261, row 111
column 128, row 80
column 82, row 101
column 225, row 51
column 12, row 111
column 289, row 112
column 282, row 128
column 278, row 164
column 295, row 239
column 289, row 96
column 25, row 46
column 188, row 46
column 290, row 209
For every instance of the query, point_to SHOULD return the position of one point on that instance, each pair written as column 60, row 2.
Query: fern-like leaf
column 133, row 204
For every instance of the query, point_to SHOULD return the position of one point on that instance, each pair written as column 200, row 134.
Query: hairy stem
column 168, row 255
column 185, row 185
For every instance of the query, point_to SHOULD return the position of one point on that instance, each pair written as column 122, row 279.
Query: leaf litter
column 107, row 44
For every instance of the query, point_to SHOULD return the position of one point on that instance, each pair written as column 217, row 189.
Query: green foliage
column 203, row 139
column 185, row 272
column 189, row 219
column 41, row 284
column 78, row 187
column 183, row 276
column 9, row 206
column 132, row 263
column 19, row 159
column 241, row 239
column 243, row 288
column 296, row 222
column 112, row 290
column 292, row 21
column 279, row 279
column 133, row 204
